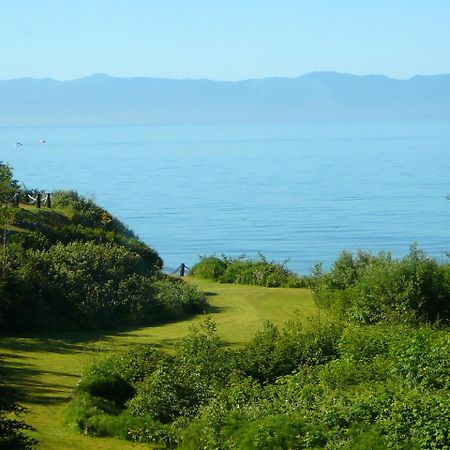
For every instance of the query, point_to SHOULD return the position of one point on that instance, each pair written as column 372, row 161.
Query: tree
column 8, row 185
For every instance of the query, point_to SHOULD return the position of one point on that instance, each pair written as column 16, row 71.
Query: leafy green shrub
column 180, row 385
column 178, row 298
column 132, row 365
column 323, row 385
column 88, row 285
column 258, row 272
column 375, row 289
column 279, row 432
column 112, row 388
column 272, row 354
column 210, row 268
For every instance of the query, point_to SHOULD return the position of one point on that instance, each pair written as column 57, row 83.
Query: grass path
column 47, row 367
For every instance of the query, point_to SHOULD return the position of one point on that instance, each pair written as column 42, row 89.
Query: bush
column 317, row 386
column 112, row 388
column 88, row 285
column 210, row 268
column 371, row 289
column 132, row 365
column 258, row 272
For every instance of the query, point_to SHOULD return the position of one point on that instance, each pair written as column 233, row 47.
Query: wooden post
column 16, row 199
column 48, row 201
column 38, row 200
column 182, row 269
column 25, row 197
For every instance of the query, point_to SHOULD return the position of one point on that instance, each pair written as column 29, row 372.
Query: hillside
column 101, row 99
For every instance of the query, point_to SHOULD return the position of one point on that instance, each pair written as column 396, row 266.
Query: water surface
column 300, row 192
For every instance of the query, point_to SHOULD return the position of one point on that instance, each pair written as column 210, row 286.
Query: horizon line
column 149, row 77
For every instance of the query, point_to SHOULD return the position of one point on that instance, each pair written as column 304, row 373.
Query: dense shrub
column 88, row 285
column 78, row 267
column 320, row 385
column 259, row 272
column 375, row 289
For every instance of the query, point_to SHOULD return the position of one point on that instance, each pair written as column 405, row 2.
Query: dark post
column 48, row 201
column 25, row 197
column 38, row 200
column 16, row 199
column 182, row 269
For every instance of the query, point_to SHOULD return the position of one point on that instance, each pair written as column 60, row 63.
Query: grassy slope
column 47, row 367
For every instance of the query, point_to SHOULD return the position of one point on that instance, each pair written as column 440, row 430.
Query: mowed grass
column 46, row 367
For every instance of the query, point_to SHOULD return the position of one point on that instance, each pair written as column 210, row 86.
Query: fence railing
column 27, row 198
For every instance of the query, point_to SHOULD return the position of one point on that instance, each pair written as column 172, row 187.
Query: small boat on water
column 41, row 141
column 19, row 144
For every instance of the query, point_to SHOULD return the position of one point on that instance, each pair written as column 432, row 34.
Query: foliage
column 374, row 289
column 79, row 267
column 86, row 212
column 87, row 285
column 11, row 425
column 259, row 272
column 8, row 186
column 324, row 385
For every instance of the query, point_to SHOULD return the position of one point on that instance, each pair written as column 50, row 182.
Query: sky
column 222, row 40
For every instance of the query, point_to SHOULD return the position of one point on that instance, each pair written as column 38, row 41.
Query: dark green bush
column 88, row 285
column 112, row 388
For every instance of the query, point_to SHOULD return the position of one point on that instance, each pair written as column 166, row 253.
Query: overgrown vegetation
column 242, row 270
column 326, row 385
column 380, row 289
column 76, row 266
column 372, row 372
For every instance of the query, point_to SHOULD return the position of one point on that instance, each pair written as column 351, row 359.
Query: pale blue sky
column 224, row 40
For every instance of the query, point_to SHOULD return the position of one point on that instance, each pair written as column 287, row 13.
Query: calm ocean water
column 299, row 193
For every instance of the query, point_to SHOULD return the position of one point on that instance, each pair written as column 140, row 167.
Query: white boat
column 41, row 141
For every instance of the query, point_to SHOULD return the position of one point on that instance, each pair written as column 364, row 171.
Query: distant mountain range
column 101, row 99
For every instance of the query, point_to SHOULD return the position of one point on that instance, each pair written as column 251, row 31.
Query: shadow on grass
column 30, row 381
column 20, row 368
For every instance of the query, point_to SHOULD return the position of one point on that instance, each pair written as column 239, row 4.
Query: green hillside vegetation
column 372, row 372
column 243, row 270
column 358, row 361
column 45, row 367
column 76, row 267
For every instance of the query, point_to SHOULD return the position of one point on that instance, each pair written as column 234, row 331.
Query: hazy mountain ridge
column 101, row 99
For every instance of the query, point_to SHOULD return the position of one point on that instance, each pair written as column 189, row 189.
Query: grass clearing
column 46, row 367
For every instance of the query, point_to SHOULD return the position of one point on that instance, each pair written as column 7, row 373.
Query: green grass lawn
column 46, row 367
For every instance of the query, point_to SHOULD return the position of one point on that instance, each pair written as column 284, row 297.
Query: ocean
column 296, row 193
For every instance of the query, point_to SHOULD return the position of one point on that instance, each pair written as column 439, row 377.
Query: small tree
column 8, row 186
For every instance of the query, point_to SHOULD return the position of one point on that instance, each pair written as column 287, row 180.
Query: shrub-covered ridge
column 75, row 266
